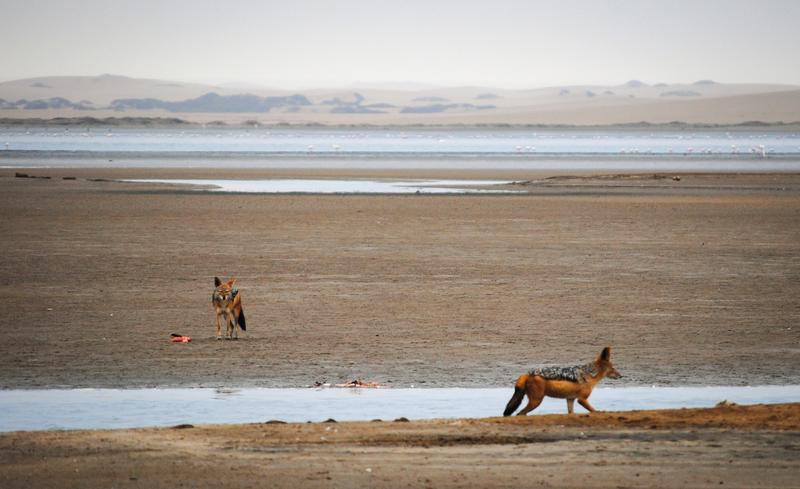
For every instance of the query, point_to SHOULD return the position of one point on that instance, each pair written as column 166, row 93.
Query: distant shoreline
column 178, row 122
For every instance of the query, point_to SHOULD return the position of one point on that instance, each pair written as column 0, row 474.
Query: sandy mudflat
column 742, row 447
column 694, row 281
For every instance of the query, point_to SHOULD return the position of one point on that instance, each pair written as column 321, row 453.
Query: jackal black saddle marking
column 577, row 373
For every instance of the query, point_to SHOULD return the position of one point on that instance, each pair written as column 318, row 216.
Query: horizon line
column 421, row 85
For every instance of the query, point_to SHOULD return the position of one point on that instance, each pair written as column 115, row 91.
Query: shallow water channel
column 127, row 408
column 280, row 186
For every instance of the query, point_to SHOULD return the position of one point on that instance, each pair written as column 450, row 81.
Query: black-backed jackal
column 227, row 301
column 568, row 383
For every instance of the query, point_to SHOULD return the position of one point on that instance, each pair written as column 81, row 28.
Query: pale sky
column 297, row 43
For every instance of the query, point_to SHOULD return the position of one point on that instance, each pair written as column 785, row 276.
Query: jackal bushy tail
column 519, row 395
column 242, row 323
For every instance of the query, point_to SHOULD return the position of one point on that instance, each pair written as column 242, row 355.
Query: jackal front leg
column 585, row 403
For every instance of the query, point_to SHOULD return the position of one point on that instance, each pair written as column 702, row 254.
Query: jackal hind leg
column 570, row 405
column 585, row 403
column 535, row 388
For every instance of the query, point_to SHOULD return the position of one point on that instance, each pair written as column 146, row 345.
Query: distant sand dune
column 713, row 103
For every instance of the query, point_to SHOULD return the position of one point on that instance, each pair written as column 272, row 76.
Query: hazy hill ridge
column 213, row 102
column 703, row 101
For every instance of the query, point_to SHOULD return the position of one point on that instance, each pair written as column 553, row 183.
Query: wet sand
column 691, row 281
column 753, row 447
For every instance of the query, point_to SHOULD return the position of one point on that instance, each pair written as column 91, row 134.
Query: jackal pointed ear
column 606, row 353
column 231, row 281
column 217, row 282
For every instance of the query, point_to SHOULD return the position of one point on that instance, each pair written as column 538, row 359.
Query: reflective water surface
column 547, row 149
column 125, row 408
column 428, row 140
column 337, row 186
